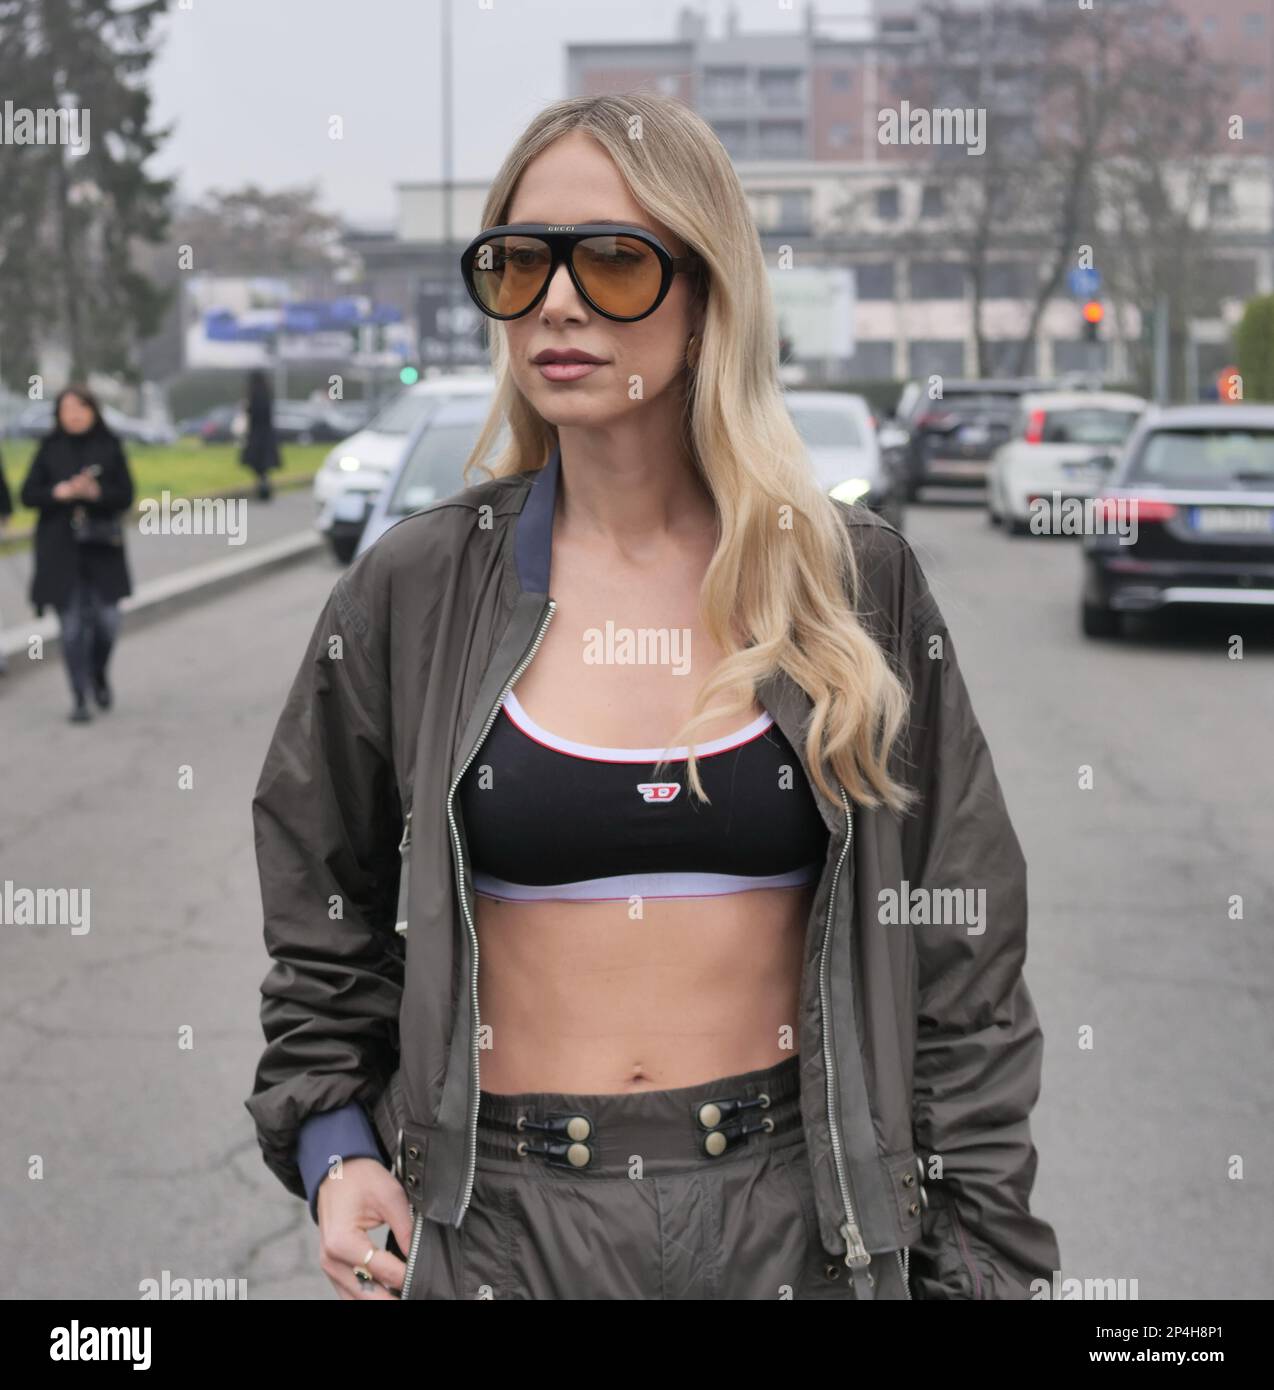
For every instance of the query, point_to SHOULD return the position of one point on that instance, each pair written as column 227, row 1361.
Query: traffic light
column 409, row 376
column 1094, row 312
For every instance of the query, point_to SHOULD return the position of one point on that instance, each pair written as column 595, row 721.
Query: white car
column 1057, row 447
column 362, row 462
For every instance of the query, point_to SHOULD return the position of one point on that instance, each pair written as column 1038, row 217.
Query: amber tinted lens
column 509, row 271
column 621, row 275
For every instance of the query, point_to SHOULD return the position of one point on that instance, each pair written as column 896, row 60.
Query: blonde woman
column 634, row 740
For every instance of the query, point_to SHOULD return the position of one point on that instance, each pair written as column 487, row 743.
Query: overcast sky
column 250, row 85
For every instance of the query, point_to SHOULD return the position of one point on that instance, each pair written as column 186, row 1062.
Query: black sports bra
column 548, row 818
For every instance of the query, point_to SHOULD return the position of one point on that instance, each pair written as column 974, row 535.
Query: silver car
column 840, row 436
column 432, row 464
column 357, row 469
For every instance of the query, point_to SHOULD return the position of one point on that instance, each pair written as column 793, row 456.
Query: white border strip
column 624, row 886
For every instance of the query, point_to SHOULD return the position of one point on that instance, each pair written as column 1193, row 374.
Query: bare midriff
column 579, row 998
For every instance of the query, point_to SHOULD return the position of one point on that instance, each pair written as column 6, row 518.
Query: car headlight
column 851, row 490
column 348, row 463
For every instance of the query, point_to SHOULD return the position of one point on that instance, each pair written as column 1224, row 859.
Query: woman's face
column 74, row 415
column 571, row 182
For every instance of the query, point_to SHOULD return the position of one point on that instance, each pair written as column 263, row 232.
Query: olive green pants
column 698, row 1193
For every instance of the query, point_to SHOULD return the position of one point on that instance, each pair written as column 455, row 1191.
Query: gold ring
column 363, row 1275
column 372, row 1252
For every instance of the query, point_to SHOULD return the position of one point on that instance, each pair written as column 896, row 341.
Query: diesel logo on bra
column 658, row 791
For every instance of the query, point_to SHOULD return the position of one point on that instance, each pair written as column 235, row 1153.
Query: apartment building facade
column 799, row 113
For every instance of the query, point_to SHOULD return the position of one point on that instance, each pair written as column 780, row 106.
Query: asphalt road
column 149, row 1162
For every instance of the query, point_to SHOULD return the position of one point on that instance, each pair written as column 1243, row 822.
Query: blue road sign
column 1083, row 282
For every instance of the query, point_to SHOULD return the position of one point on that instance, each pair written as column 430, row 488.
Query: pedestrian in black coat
column 80, row 484
column 260, row 450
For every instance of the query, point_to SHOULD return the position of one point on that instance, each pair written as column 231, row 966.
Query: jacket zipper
column 417, row 1225
column 856, row 1255
column 471, row 1157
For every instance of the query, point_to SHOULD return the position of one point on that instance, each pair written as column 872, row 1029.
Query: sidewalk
column 169, row 571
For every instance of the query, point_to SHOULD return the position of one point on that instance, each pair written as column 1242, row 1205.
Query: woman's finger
column 387, row 1268
column 351, row 1243
column 347, row 1283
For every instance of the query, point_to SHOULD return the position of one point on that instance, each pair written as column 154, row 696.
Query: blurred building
column 799, row 115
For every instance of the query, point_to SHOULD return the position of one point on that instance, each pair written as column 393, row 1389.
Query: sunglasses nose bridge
column 561, row 280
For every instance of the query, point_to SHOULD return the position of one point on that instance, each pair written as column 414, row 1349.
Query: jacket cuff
column 342, row 1133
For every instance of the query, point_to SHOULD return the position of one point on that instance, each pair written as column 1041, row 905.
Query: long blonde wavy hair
column 774, row 593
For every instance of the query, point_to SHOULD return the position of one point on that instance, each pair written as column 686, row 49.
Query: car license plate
column 1232, row 521
column 1079, row 468
column 960, row 468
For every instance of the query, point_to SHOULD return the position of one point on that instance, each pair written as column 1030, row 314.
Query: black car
column 1187, row 518
column 954, row 436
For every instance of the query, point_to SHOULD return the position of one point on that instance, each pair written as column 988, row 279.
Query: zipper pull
column 404, row 848
column 856, row 1255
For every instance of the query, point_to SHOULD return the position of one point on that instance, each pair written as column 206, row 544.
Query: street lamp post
column 446, row 180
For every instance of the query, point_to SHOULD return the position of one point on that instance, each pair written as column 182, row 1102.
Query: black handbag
column 96, row 530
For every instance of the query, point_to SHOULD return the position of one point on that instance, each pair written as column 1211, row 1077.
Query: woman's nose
column 561, row 296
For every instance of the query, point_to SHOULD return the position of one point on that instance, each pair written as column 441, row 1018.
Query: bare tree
column 255, row 231
column 1086, row 111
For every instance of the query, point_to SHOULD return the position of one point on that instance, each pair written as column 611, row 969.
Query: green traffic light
column 409, row 376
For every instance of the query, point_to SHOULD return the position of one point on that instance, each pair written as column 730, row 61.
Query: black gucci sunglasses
column 622, row 272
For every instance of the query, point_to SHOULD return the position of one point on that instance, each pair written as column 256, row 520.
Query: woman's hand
column 83, row 487
column 89, row 488
column 365, row 1196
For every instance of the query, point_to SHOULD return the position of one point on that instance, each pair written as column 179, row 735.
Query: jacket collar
column 533, row 536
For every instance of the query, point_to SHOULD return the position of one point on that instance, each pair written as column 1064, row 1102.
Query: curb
column 162, row 598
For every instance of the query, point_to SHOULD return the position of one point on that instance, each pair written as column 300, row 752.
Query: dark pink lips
column 566, row 364
column 551, row 355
